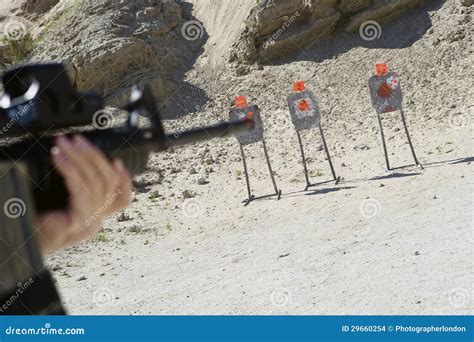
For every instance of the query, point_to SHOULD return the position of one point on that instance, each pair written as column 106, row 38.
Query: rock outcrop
column 110, row 45
column 277, row 28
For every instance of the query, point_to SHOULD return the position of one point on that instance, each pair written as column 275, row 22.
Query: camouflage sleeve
column 20, row 257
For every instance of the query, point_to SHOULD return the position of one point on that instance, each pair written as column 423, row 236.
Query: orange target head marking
column 298, row 86
column 303, row 105
column 381, row 69
column 240, row 101
column 384, row 90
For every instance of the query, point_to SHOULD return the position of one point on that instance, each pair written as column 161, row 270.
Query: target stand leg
column 334, row 176
column 409, row 139
column 250, row 196
column 300, row 142
column 265, row 151
column 383, row 142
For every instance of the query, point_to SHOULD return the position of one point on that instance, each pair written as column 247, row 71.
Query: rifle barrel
column 219, row 130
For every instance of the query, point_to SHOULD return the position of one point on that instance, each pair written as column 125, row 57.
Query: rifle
column 39, row 102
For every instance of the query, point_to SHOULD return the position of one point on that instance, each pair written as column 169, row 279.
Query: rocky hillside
column 109, row 45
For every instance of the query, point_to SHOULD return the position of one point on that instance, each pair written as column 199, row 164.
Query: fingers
column 95, row 185
column 99, row 166
column 99, row 175
column 97, row 188
column 67, row 166
column 123, row 189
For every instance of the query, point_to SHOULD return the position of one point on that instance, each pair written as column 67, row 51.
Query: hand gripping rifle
column 38, row 103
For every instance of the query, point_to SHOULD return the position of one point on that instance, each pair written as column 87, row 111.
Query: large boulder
column 277, row 28
column 382, row 11
column 109, row 45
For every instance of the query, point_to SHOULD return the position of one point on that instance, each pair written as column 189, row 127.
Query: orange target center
column 384, row 90
column 303, row 105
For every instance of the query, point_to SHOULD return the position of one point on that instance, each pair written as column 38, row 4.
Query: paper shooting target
column 386, row 92
column 304, row 110
column 254, row 134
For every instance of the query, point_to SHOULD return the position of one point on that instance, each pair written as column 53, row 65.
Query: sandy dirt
column 379, row 242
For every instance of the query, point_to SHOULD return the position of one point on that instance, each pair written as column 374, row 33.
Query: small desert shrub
column 16, row 50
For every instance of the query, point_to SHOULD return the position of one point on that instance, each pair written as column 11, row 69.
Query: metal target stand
column 386, row 96
column 254, row 135
column 336, row 178
column 306, row 117
column 252, row 197
column 384, row 145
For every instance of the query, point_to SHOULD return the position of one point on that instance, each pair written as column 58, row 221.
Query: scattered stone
column 202, row 181
column 188, row 194
column 155, row 194
column 134, row 229
column 192, row 171
column 417, row 253
column 143, row 190
column 82, row 278
column 124, row 217
column 242, row 70
column 361, row 147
